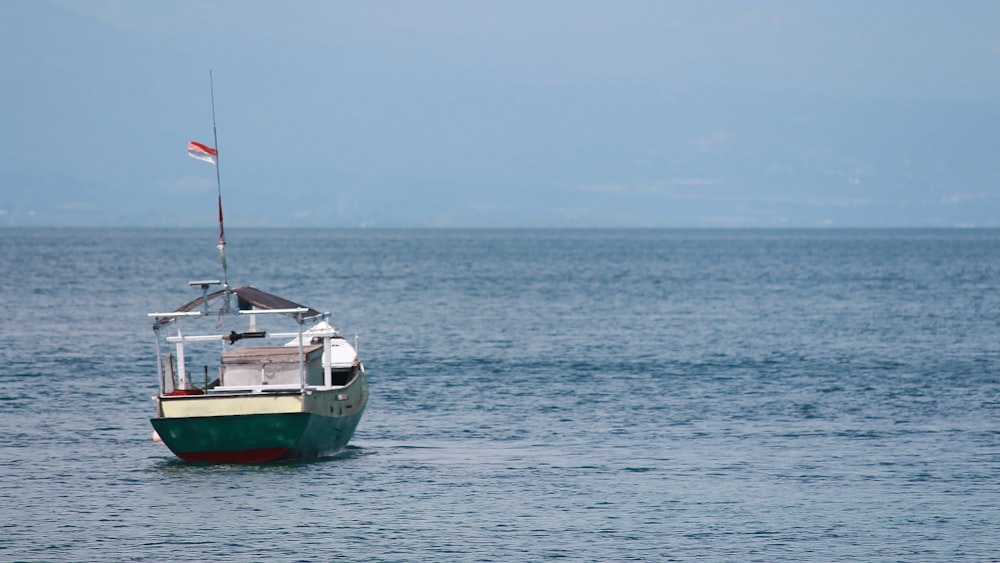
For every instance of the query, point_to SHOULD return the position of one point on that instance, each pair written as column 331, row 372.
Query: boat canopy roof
column 248, row 297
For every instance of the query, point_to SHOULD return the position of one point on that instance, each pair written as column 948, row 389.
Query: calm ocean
column 589, row 395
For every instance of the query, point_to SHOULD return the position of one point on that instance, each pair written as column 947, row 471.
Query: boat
column 298, row 399
column 275, row 393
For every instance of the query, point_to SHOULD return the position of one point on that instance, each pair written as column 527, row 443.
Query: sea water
column 589, row 395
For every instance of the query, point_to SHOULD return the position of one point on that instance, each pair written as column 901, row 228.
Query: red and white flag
column 203, row 152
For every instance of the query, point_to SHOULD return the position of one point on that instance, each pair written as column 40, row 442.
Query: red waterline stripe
column 259, row 455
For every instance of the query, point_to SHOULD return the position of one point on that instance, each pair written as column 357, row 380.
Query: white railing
column 175, row 314
column 180, row 339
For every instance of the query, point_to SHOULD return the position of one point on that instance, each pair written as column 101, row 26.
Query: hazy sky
column 508, row 113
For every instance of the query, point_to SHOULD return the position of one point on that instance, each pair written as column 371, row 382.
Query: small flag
column 203, row 152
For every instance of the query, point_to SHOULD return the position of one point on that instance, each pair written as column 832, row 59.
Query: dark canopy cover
column 248, row 297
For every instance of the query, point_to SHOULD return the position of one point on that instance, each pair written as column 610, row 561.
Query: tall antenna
column 218, row 183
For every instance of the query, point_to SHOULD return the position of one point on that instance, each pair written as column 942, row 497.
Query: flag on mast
column 203, row 152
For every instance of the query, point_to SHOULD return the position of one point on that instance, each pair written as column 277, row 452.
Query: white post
column 159, row 357
column 302, row 357
column 327, row 360
column 181, row 373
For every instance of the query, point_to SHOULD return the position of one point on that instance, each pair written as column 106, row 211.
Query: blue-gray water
column 587, row 395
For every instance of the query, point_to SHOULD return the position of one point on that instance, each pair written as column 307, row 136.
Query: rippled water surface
column 587, row 395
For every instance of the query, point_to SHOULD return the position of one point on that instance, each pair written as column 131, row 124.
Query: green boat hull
column 256, row 438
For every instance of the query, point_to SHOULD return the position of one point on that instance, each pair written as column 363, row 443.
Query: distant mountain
column 544, row 155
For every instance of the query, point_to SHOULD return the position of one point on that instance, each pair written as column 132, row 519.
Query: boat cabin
column 270, row 365
column 314, row 357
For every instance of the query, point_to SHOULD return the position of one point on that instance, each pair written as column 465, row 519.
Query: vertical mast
column 218, row 183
